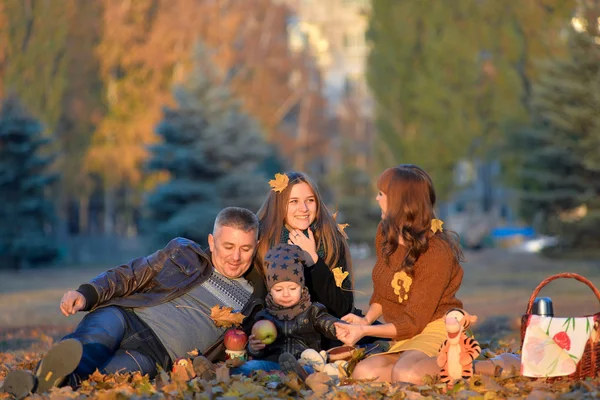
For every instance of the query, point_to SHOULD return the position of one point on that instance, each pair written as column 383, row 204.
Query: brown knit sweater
column 410, row 303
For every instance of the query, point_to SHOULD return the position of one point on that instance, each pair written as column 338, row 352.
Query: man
column 155, row 309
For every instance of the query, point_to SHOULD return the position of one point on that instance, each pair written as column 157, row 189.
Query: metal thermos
column 542, row 306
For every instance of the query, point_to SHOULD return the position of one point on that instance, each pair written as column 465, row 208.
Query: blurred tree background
column 160, row 112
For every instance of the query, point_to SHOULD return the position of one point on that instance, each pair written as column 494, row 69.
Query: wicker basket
column 589, row 364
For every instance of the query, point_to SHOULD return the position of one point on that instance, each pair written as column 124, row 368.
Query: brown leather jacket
column 161, row 277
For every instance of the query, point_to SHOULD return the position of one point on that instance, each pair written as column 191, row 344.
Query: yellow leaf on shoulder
column 224, row 317
column 339, row 276
column 436, row 225
column 279, row 183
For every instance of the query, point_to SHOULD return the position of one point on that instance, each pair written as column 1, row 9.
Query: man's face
column 232, row 250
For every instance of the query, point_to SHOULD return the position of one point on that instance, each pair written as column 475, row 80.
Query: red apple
column 235, row 339
column 265, row 331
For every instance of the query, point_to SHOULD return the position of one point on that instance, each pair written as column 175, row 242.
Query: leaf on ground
column 194, row 353
column 484, row 383
column 357, row 355
column 319, row 383
column 541, row 395
column 97, row 376
column 222, row 373
column 225, row 317
column 291, row 380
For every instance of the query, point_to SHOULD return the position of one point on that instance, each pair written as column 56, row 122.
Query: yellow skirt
column 428, row 341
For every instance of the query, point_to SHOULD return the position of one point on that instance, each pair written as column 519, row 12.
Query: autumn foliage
column 176, row 384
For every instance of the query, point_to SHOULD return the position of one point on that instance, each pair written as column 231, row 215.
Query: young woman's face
column 382, row 200
column 286, row 294
column 301, row 207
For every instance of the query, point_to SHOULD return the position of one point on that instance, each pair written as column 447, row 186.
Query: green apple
column 265, row 331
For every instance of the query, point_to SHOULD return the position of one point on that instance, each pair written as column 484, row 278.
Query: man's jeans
column 103, row 333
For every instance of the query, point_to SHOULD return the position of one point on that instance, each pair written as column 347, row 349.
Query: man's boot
column 60, row 361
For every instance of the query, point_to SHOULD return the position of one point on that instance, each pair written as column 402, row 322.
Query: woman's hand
column 305, row 243
column 355, row 319
column 349, row 334
column 255, row 344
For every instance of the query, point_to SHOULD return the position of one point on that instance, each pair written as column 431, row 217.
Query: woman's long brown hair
column 410, row 209
column 271, row 217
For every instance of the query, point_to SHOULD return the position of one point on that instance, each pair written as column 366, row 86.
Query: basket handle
column 560, row 275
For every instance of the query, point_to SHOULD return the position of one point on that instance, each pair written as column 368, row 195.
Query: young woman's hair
column 410, row 209
column 271, row 217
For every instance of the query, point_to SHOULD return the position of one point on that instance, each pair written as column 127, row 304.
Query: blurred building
column 334, row 33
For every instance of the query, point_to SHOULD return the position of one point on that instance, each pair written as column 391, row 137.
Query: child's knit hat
column 283, row 263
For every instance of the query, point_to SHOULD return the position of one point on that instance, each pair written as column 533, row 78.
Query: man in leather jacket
column 155, row 309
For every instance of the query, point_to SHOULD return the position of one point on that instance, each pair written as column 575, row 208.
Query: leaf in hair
column 279, row 183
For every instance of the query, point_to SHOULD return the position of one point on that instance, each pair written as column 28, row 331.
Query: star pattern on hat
column 284, row 266
column 296, row 272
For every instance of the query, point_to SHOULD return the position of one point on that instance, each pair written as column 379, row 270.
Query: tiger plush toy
column 458, row 351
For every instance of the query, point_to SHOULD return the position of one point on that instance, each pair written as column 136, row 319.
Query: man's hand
column 255, row 345
column 354, row 319
column 71, row 302
column 349, row 334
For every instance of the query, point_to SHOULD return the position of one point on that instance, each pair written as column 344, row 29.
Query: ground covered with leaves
column 22, row 349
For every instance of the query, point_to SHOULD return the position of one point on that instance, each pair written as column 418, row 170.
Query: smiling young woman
column 294, row 213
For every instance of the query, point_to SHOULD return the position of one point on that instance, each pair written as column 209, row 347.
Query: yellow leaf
column 339, row 276
column 335, row 215
column 194, row 353
column 279, row 183
column 225, row 317
column 319, row 382
column 436, row 225
column 341, row 228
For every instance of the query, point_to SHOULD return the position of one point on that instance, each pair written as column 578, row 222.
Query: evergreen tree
column 27, row 215
column 211, row 150
column 560, row 163
column 445, row 75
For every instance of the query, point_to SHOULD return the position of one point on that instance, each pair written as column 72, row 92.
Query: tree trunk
column 84, row 214
column 109, row 211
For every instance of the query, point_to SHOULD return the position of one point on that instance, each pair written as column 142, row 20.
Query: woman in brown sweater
column 415, row 280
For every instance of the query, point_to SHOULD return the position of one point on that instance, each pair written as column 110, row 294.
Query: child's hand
column 349, row 334
column 255, row 344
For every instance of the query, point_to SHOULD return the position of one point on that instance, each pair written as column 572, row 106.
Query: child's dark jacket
column 298, row 334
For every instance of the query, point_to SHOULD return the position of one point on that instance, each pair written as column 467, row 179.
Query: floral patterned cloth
column 554, row 346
